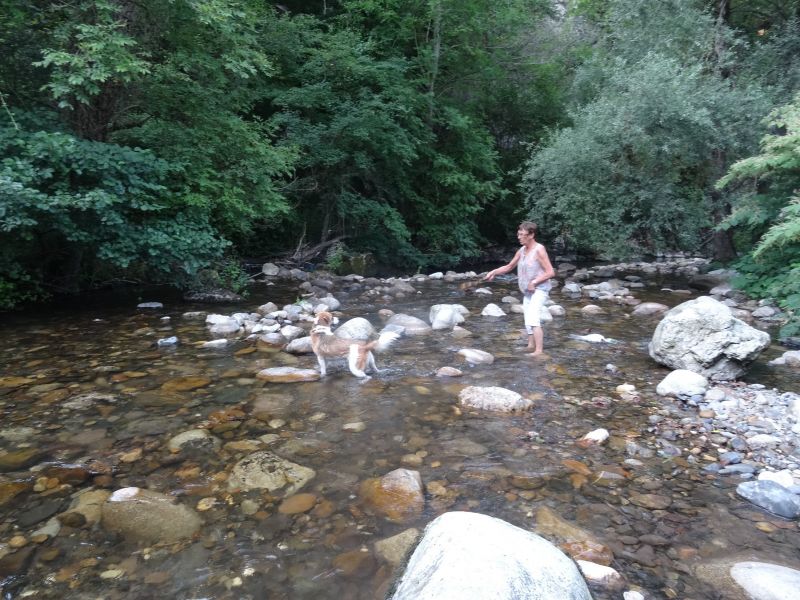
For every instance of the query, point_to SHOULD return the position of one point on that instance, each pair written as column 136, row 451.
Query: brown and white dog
column 358, row 352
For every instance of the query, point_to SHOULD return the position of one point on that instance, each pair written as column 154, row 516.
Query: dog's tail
column 386, row 339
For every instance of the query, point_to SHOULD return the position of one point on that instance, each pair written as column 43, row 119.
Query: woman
column 534, row 272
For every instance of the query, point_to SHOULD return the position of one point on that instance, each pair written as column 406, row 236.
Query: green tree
column 635, row 171
column 768, row 210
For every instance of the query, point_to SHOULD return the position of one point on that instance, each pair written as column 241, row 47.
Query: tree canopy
column 152, row 140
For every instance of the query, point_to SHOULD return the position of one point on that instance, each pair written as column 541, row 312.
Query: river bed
column 507, row 466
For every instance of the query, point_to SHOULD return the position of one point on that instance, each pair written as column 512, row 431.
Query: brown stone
column 577, row 467
column 185, row 384
column 16, row 563
column 652, row 501
column 589, row 550
column 71, row 474
column 527, row 482
column 324, row 509
column 12, row 382
column 19, row 459
column 10, row 489
column 299, row 503
column 397, row 495
column 288, row 375
column 356, row 564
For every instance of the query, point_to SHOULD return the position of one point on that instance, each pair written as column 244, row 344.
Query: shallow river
column 505, row 466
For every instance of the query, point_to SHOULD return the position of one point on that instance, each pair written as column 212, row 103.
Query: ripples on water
column 506, row 466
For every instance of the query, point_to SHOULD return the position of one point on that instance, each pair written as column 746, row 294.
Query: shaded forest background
column 163, row 140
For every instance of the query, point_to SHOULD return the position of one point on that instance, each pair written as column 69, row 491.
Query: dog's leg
column 371, row 363
column 321, row 362
column 353, row 360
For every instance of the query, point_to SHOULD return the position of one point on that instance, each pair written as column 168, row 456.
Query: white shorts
column 532, row 309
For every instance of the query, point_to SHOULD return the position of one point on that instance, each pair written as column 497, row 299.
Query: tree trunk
column 436, row 52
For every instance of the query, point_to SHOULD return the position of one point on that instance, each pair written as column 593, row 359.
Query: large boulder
column 467, row 555
column 702, row 335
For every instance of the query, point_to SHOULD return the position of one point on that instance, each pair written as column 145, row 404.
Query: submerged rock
column 288, row 375
column 397, row 496
column 141, row 515
column 265, row 470
column 493, row 398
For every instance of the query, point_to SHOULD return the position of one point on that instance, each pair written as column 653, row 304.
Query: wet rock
column 577, row 541
column 141, row 515
column 449, row 372
column 150, row 305
column 20, row 459
column 790, row 358
column 11, row 489
column 287, row 375
column 265, row 470
column 492, row 310
column 749, row 577
column 412, row 325
column 702, row 336
column 355, row 564
column 88, row 505
column 682, row 383
column 593, row 438
column 212, row 296
column 468, row 555
column 14, row 382
column 476, row 357
column 151, row 426
column 88, row 400
column 40, row 512
column 395, row 549
column 16, row 435
column 15, row 564
column 494, row 399
column 397, row 496
column 355, row 329
column 652, row 501
column 194, row 437
column 462, row 446
column 446, row 316
column 591, row 310
column 185, row 384
column 298, row 503
column 300, row 345
column 601, row 575
column 646, row 309
column 772, row 497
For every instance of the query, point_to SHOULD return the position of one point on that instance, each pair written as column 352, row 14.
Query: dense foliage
column 768, row 213
column 155, row 140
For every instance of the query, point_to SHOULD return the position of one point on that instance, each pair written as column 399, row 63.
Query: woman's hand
column 489, row 276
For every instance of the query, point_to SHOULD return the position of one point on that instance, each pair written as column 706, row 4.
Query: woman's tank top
column 528, row 268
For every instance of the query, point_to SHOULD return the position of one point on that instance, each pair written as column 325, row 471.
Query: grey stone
column 771, row 496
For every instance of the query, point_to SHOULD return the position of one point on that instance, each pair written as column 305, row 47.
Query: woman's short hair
column 530, row 227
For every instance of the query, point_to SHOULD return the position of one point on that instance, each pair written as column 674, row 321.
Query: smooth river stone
column 398, row 495
column 299, row 503
column 141, row 515
column 185, row 384
column 287, row 375
column 652, row 501
column 493, row 398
